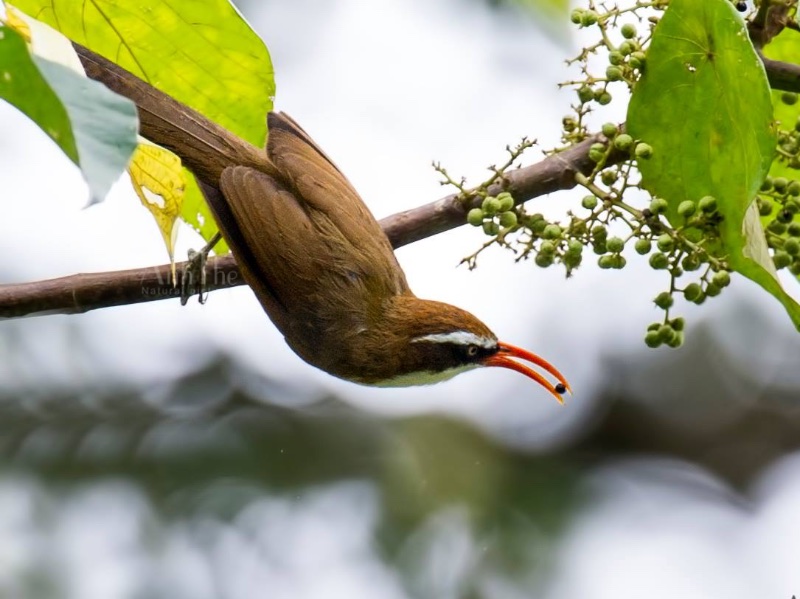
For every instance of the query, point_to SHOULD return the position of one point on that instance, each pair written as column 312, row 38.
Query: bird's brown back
column 309, row 247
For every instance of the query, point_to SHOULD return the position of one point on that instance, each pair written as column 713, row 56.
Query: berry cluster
column 495, row 214
column 779, row 202
column 617, row 218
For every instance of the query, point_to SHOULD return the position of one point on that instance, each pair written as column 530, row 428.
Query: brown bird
column 317, row 259
column 327, row 276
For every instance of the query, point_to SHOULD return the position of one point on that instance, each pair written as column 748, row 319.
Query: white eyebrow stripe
column 459, row 338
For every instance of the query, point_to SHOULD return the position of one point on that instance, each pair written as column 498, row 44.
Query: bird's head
column 433, row 342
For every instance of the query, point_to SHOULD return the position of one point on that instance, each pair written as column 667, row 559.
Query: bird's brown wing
column 314, row 255
column 335, row 204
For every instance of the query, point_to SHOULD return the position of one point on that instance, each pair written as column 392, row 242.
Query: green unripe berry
column 574, row 248
column 490, row 205
column 615, row 58
column 604, row 98
column 791, row 206
column 686, row 208
column 538, row 226
column 608, row 177
column 795, row 268
column 780, row 184
column 599, row 232
column 625, row 48
column 692, row 292
column 658, row 206
column 589, row 202
column 665, row 243
column 543, row 260
column 767, row 184
column 506, row 201
column 777, row 227
column 547, row 248
column 599, row 247
column 794, row 229
column 781, row 259
column 791, row 246
column 597, row 147
column 636, row 62
column 623, row 142
column 664, row 300
column 508, row 219
column 572, row 261
column 722, row 278
column 643, row 246
column 653, row 326
column 713, row 290
column 678, row 323
column 475, row 217
column 676, row 271
column 606, row 261
column 585, row 94
column 588, row 18
column 569, row 124
column 666, row 333
column 609, row 130
column 765, row 205
column 690, row 263
column 628, row 31
column 659, row 261
column 619, row 261
column 643, row 151
column 794, row 188
column 491, row 228
column 615, row 245
column 614, row 73
column 551, row 232
column 789, row 98
column 676, row 341
column 784, row 216
column 708, row 204
column 576, row 16
column 595, row 155
column 652, row 339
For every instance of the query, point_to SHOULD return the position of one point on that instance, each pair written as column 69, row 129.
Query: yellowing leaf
column 158, row 180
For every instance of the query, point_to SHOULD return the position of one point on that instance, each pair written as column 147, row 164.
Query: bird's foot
column 193, row 274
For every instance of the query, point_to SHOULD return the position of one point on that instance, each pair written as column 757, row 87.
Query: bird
column 316, row 258
column 327, row 276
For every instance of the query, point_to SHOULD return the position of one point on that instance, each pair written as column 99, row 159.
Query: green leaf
column 203, row 54
column 702, row 66
column 22, row 86
column 104, row 125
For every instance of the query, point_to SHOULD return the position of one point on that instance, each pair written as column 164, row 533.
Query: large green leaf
column 704, row 106
column 23, row 86
column 203, row 54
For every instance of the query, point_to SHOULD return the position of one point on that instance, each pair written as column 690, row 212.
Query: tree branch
column 79, row 293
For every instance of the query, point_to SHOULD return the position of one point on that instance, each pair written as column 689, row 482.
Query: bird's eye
column 472, row 351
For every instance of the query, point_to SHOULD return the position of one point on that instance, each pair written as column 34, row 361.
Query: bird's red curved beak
column 503, row 359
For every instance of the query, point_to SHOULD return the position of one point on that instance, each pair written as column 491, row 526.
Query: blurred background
column 155, row 451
